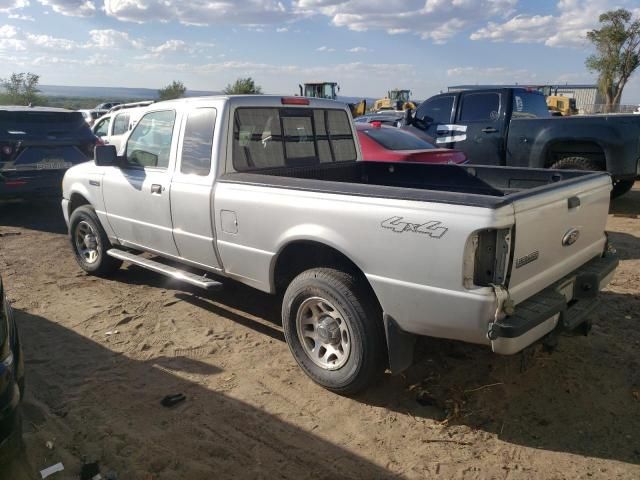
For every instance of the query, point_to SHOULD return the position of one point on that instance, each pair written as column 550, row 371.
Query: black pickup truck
column 37, row 146
column 513, row 127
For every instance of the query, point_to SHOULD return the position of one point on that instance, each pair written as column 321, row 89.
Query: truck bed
column 473, row 185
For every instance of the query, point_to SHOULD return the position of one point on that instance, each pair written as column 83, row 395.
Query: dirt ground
column 459, row 412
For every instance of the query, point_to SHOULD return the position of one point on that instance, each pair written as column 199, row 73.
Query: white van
column 112, row 127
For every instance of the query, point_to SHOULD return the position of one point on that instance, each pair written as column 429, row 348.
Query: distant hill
column 113, row 93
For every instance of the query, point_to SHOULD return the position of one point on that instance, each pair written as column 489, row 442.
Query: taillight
column 487, row 258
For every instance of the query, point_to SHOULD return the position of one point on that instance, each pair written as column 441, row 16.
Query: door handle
column 489, row 130
column 156, row 188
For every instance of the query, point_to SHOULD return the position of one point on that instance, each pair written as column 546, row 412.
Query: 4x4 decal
column 433, row 228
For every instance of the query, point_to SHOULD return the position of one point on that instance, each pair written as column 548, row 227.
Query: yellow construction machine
column 561, row 106
column 395, row 100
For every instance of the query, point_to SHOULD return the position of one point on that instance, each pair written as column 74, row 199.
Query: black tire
column 620, row 187
column 576, row 163
column 103, row 264
column 355, row 306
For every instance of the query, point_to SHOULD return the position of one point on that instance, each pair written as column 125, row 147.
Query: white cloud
column 12, row 44
column 48, row 42
column 71, row 8
column 200, row 12
column 436, row 20
column 565, row 28
column 171, row 46
column 112, row 39
column 325, row 49
column 15, row 16
column 7, row 6
column 358, row 50
column 8, row 31
column 282, row 29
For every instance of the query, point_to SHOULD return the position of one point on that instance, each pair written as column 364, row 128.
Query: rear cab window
column 279, row 137
column 396, row 139
column 529, row 105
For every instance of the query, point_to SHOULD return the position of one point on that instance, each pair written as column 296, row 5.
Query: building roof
column 573, row 86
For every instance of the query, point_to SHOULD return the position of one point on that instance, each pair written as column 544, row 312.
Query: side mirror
column 106, row 156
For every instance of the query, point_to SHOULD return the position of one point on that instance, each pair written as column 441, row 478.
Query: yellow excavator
column 329, row 90
column 559, row 105
column 395, row 100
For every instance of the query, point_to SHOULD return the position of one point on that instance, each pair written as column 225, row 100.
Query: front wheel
column 334, row 329
column 90, row 243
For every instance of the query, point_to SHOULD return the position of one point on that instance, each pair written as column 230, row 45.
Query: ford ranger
column 271, row 192
column 513, row 127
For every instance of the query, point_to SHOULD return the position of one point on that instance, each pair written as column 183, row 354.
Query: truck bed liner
column 473, row 185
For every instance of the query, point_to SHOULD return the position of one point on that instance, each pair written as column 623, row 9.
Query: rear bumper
column 565, row 304
column 31, row 183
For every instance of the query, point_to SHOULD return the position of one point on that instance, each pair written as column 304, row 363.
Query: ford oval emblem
column 570, row 237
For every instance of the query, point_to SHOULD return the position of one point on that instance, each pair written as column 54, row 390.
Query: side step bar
column 188, row 277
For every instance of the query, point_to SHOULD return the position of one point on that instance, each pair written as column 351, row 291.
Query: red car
column 382, row 143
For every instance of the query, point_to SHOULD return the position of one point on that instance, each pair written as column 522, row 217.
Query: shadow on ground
column 577, row 399
column 220, row 437
column 42, row 214
column 580, row 398
column 628, row 205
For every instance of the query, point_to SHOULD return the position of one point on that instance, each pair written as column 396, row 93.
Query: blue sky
column 367, row 46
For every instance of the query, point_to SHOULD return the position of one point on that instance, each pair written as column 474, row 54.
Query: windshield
column 396, row 139
column 35, row 123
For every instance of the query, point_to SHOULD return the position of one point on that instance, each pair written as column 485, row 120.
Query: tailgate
column 557, row 231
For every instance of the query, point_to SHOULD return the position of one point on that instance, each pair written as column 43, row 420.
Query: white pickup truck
column 270, row 191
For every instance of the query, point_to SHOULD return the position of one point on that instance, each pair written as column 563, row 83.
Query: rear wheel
column 334, row 330
column 620, row 187
column 90, row 243
column 577, row 163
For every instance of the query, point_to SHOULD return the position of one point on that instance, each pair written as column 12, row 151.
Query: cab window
column 102, row 128
column 198, row 142
column 479, row 107
column 121, row 124
column 436, row 110
column 150, row 142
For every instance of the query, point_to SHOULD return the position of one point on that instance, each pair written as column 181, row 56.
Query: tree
column 243, row 86
column 173, row 90
column 617, row 54
column 21, row 89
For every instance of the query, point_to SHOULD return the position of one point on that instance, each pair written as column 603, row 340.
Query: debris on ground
column 58, row 467
column 171, row 400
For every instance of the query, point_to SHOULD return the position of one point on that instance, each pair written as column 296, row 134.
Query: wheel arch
column 76, row 200
column 299, row 255
column 567, row 147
